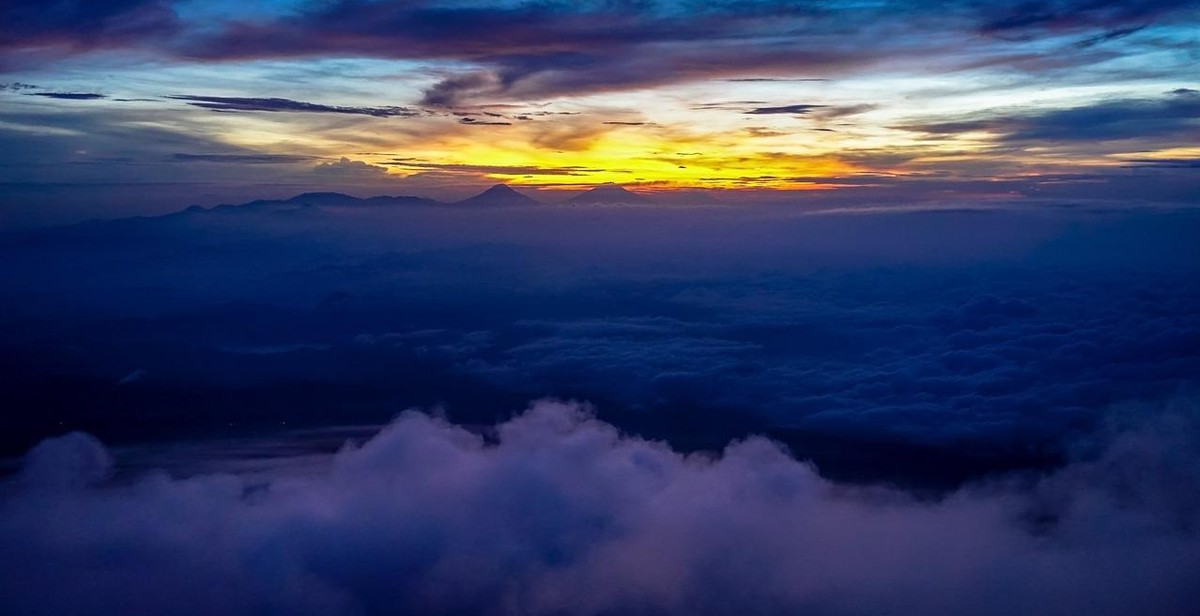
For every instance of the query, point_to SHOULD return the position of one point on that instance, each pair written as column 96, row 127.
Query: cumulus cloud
column 348, row 168
column 556, row 512
column 73, row 460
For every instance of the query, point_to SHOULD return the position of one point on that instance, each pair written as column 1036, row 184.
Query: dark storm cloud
column 69, row 96
column 239, row 104
column 1175, row 115
column 558, row 513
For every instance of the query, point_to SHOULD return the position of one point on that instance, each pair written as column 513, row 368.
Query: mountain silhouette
column 316, row 200
column 499, row 195
column 332, row 199
column 608, row 194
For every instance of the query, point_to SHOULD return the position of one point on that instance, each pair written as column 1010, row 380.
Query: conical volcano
column 499, row 195
column 608, row 194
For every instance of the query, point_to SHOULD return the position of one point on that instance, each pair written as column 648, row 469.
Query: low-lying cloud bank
column 557, row 512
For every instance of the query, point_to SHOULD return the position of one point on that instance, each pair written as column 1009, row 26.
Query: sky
column 757, row 99
column 355, row 307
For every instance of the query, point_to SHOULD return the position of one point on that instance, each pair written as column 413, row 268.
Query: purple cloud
column 556, row 512
column 68, row 26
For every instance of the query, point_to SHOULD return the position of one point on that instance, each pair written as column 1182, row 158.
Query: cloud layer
column 986, row 336
column 555, row 512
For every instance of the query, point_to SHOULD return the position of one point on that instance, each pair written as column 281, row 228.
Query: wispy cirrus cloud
column 1174, row 115
column 799, row 109
column 477, row 122
column 1164, row 163
column 243, row 159
column 69, row 96
column 1026, row 18
column 488, row 169
column 249, row 104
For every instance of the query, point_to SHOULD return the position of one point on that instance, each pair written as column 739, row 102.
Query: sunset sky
column 600, row 307
column 440, row 98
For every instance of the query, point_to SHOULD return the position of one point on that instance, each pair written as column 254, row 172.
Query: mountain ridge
column 499, row 195
column 608, row 194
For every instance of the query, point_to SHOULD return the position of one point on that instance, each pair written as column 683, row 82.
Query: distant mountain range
column 500, row 195
column 321, row 199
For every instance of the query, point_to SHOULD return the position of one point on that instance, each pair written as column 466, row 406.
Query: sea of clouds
column 557, row 512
